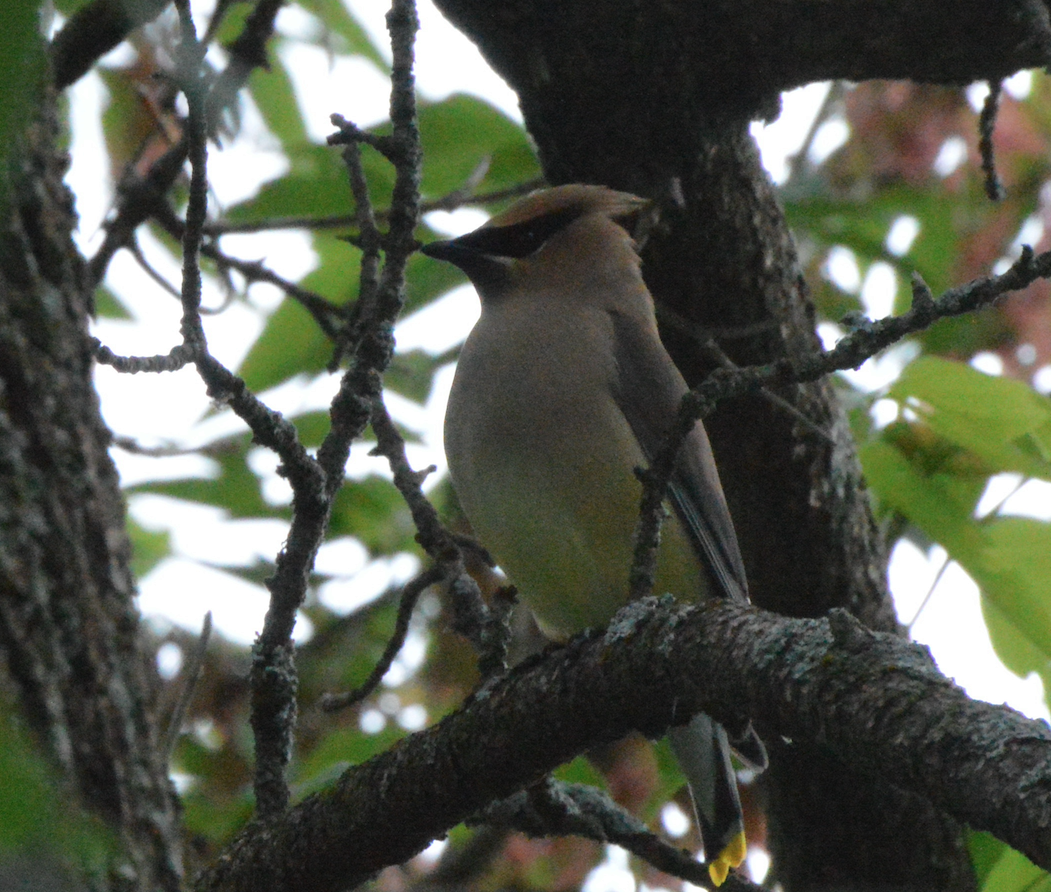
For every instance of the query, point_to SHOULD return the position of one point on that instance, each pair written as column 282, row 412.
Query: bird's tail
column 703, row 752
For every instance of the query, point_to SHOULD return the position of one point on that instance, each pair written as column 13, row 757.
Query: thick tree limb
column 873, row 699
column 742, row 53
column 649, row 94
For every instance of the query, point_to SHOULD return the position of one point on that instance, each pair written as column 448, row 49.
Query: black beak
column 487, row 272
column 451, row 251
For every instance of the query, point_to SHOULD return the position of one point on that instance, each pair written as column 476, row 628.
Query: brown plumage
column 563, row 388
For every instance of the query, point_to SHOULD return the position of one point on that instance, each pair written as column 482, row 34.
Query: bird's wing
column 648, row 389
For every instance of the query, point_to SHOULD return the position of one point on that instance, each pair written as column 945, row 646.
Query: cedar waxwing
column 562, row 390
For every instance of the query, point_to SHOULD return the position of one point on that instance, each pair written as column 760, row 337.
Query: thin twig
column 485, row 626
column 455, row 200
column 706, row 340
column 136, row 448
column 369, row 240
column 197, row 206
column 178, row 357
column 273, row 674
column 323, row 312
column 986, row 125
column 553, row 808
column 193, row 667
column 865, row 340
column 409, row 596
column 135, row 249
column 361, row 384
column 140, row 194
column 930, row 592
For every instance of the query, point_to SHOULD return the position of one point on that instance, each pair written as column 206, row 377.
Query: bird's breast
column 542, row 459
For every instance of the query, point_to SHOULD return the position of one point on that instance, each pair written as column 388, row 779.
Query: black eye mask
column 518, row 240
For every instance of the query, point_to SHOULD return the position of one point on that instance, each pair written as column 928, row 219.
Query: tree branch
column 552, row 808
column 273, row 674
column 874, row 700
column 743, row 52
column 95, row 29
column 867, row 338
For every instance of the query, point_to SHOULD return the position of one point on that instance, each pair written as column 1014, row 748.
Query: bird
column 562, row 391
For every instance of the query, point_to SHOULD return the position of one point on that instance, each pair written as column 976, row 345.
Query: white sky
column 156, row 409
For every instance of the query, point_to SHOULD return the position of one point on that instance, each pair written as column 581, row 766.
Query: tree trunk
column 69, row 628
column 657, row 99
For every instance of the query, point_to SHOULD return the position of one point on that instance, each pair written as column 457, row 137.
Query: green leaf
column 109, row 306
column 938, row 503
column 336, row 20
column 23, row 63
column 213, row 817
column 1011, row 871
column 861, row 220
column 149, row 547
column 580, row 771
column 291, row 344
column 985, row 851
column 123, row 118
column 459, row 132
column 1014, row 573
column 313, row 427
column 339, row 749
column 1008, row 557
column 373, row 511
column 234, row 17
column 1001, row 420
column 36, row 821
column 410, row 374
column 237, row 490
column 275, row 96
column 427, row 279
column 316, row 185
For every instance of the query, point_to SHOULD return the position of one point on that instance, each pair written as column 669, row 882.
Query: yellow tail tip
column 731, row 856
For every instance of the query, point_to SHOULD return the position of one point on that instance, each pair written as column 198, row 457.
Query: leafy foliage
column 955, row 430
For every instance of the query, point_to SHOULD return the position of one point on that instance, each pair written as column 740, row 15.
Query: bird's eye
column 519, row 239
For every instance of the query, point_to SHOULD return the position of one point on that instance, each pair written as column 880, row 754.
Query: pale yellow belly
column 543, row 464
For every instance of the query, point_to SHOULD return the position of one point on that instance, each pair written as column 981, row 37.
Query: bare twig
column 140, row 195
column 178, row 357
column 930, row 591
column 369, row 240
column 193, row 666
column 707, row 342
column 323, row 312
column 197, row 153
column 553, row 808
column 273, row 676
column 865, row 340
column 349, row 134
column 986, row 126
column 136, row 251
column 453, row 201
column 409, row 596
column 486, row 627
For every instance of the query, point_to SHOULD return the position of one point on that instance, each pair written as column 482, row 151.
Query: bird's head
column 551, row 232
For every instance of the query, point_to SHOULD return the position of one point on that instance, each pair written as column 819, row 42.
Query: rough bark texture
column 638, row 95
column 794, row 675
column 69, row 630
